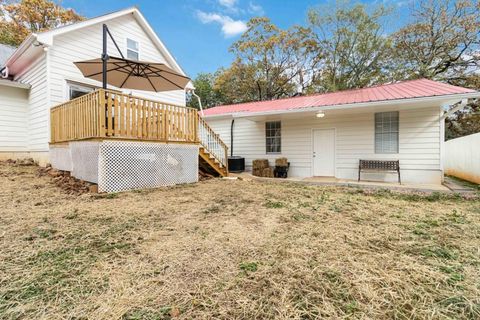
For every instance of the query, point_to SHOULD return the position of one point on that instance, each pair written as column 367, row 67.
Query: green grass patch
column 163, row 313
column 416, row 196
column 271, row 204
column 460, row 305
column 248, row 266
column 112, row 195
column 439, row 252
column 457, row 218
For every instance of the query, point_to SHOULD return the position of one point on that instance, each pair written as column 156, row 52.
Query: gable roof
column 5, row 52
column 47, row 36
column 421, row 88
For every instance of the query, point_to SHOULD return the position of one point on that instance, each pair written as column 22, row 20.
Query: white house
column 121, row 139
column 40, row 74
column 124, row 139
column 327, row 134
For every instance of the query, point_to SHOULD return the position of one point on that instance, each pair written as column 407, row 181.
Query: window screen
column 273, row 133
column 132, row 49
column 386, row 132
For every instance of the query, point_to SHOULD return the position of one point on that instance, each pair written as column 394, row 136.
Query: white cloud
column 230, row 6
column 230, row 27
column 228, row 3
column 255, row 8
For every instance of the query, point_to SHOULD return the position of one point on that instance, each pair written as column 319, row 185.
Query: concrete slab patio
column 331, row 181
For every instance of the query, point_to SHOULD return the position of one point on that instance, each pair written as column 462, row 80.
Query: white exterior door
column 324, row 153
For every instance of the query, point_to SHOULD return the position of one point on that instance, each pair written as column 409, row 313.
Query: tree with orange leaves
column 20, row 18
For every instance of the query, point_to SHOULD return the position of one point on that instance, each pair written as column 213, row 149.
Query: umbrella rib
column 122, row 68
column 148, row 78
column 151, row 83
column 97, row 73
column 128, row 76
column 166, row 79
column 169, row 72
column 143, row 70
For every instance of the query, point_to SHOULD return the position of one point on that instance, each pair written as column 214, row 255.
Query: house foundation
column 126, row 165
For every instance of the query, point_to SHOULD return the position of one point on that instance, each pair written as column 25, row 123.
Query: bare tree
column 352, row 46
column 442, row 41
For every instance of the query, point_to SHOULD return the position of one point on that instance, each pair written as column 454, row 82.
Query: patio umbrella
column 136, row 75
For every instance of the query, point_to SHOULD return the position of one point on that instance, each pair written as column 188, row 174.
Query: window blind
column 273, row 134
column 386, row 132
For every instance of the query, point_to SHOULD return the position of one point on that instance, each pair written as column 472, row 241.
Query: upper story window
column 132, row 49
column 273, row 134
column 386, row 132
column 75, row 90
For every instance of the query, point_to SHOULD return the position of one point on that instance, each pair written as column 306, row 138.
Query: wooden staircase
column 210, row 164
column 213, row 152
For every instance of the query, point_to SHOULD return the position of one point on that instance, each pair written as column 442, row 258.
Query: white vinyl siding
column 86, row 43
column 37, row 112
column 13, row 119
column 386, row 132
column 419, row 140
column 50, row 81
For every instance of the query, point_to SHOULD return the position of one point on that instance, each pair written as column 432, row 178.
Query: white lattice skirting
column 122, row 165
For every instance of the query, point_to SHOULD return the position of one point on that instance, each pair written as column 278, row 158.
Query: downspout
column 231, row 138
column 199, row 101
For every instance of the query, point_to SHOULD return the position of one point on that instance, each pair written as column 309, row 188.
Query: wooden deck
column 108, row 114
column 105, row 114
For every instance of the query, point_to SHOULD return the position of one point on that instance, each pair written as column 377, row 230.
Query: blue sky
column 199, row 32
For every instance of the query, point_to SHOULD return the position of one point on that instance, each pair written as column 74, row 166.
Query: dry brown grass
column 235, row 249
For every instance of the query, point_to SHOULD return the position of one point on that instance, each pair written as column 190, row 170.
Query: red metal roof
column 402, row 90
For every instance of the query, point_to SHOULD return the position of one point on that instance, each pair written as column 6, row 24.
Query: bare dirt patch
column 234, row 249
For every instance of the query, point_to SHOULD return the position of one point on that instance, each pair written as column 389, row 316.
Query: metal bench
column 379, row 166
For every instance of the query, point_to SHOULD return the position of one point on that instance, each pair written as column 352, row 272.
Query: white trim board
column 15, row 84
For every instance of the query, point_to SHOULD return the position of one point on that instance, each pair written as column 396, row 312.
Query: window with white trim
column 386, row 132
column 76, row 90
column 273, row 134
column 132, row 49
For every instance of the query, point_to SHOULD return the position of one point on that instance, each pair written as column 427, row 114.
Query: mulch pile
column 61, row 179
column 65, row 181
column 21, row 162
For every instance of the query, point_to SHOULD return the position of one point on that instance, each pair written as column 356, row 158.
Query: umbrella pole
column 104, row 72
column 104, row 58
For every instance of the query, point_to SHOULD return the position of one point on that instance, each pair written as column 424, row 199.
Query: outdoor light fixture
column 320, row 114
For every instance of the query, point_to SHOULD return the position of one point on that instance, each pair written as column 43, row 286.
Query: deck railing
column 105, row 114
column 110, row 114
column 212, row 142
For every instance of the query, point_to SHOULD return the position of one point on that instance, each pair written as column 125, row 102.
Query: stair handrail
column 212, row 142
